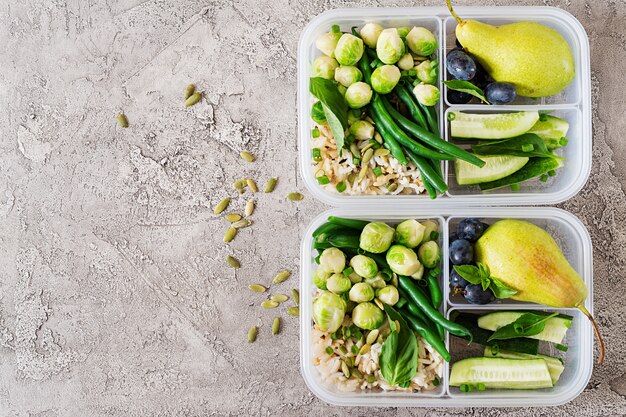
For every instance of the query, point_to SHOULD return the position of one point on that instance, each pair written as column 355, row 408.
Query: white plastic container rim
column 579, row 169
column 584, row 342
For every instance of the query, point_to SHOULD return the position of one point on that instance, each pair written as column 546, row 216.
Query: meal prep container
column 573, row 104
column 574, row 241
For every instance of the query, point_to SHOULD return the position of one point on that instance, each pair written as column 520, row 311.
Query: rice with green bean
column 393, row 179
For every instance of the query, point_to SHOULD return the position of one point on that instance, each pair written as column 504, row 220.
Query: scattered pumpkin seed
column 246, row 156
column 381, row 152
column 392, row 187
column 122, row 120
column 366, row 148
column 355, row 150
column 230, row 234
column 193, row 99
column 367, row 155
column 295, row 196
column 239, row 185
column 276, row 326
column 378, row 138
column 271, row 184
column 281, row 277
column 242, row 223
column 343, row 350
column 252, row 334
column 252, row 185
column 379, row 304
column 233, row 262
column 189, row 90
column 397, row 326
column 221, row 206
column 371, row 337
column 257, row 287
column 293, row 311
column 233, row 217
column 369, row 119
column 356, row 373
column 279, row 298
column 394, row 280
column 364, row 349
column 371, row 379
column 345, row 369
column 249, row 208
column 363, row 172
column 295, row 296
column 269, row 304
column 351, row 177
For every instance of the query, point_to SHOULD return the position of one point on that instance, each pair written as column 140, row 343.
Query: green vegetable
column 534, row 168
column 427, row 173
column 406, row 62
column 362, row 130
column 388, row 295
column 481, row 275
column 327, row 42
column 402, row 260
column 351, row 223
column 364, row 266
column 328, row 311
column 495, row 168
column 385, row 78
column 405, row 95
column 389, row 140
column 555, row 365
column 367, row 316
column 429, row 254
column 358, row 95
column 466, row 87
column 320, row 278
column 501, row 373
column 421, row 41
column 338, row 284
column 435, row 291
column 398, row 356
column 370, row 33
column 333, row 260
column 427, row 72
column 426, row 332
column 317, row 113
column 344, row 241
column 527, row 145
column 389, row 46
column 377, row 282
column 376, row 237
column 324, row 67
column 334, row 105
column 341, row 187
column 431, row 118
column 361, row 292
column 528, row 324
column 348, row 75
column 349, row 49
column 426, row 94
column 409, row 233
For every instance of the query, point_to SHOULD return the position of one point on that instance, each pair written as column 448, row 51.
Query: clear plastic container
column 573, row 240
column 573, row 104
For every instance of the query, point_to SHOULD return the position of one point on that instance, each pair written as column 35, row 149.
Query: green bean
column 414, row 309
column 431, row 118
column 435, row 291
column 428, row 173
column 344, row 241
column 426, row 333
column 430, row 312
column 389, row 140
column 325, row 229
column 401, row 303
column 351, row 223
column 406, row 97
column 322, row 245
column 366, row 69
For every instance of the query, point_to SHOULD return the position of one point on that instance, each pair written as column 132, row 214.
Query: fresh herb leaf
column 336, row 127
column 334, row 105
column 398, row 356
column 481, row 275
column 469, row 272
column 466, row 87
column 528, row 324
column 500, row 290
column 528, row 145
column 485, row 283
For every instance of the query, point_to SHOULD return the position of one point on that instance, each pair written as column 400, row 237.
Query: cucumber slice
column 501, row 373
column 555, row 365
column 554, row 332
column 534, row 168
column 496, row 167
column 491, row 126
column 551, row 128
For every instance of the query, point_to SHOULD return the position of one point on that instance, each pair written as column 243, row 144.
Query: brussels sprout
column 409, row 233
column 377, row 282
column 338, row 283
column 429, row 254
column 355, row 278
column 358, row 95
column 421, row 41
column 327, row 42
column 385, row 78
column 403, row 31
column 376, row 237
column 426, row 94
column 349, row 49
column 388, row 295
column 328, row 311
column 430, row 227
column 402, row 260
column 367, row 316
column 364, row 266
column 389, row 46
column 419, row 274
column 347, row 76
column 324, row 66
column 361, row 292
column 427, row 72
column 320, row 277
column 406, row 62
column 317, row 113
column 333, row 260
column 362, row 130
column 370, row 33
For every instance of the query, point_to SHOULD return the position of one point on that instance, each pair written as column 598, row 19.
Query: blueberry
column 461, row 252
column 482, row 77
column 485, row 227
column 475, row 294
column 460, row 65
column 470, row 229
column 458, row 97
column 457, row 281
column 500, row 93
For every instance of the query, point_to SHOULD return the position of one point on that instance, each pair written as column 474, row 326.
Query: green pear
column 526, row 258
column 533, row 57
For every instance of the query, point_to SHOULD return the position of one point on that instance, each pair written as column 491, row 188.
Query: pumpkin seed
column 221, row 206
column 379, row 304
column 345, row 369
column 378, row 138
column 233, row 217
column 295, row 196
column 269, row 304
column 364, row 349
column 392, row 187
column 189, row 90
column 122, row 120
column 371, row 337
column 281, row 277
column 356, row 373
column 252, row 185
column 394, row 280
column 355, row 150
column 397, row 326
column 363, row 173
column 295, row 296
column 369, row 119
column 242, row 223
column 249, row 208
column 257, row 287
column 279, row 298
column 239, row 185
column 276, row 326
column 230, row 234
column 293, row 311
column 381, row 152
column 233, row 262
column 246, row 156
column 271, row 184
column 366, row 148
column 193, row 99
column 252, row 334
column 368, row 155
column 343, row 350
column 371, row 379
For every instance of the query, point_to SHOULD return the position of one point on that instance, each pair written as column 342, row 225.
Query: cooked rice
column 341, row 168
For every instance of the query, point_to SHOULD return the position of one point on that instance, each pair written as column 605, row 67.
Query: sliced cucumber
column 555, row 365
column 501, row 373
column 496, row 167
column 491, row 126
column 554, row 331
column 550, row 128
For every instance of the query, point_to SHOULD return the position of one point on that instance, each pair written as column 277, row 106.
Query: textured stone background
column 114, row 298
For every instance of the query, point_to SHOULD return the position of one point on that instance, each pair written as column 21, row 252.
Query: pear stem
column 595, row 328
column 452, row 12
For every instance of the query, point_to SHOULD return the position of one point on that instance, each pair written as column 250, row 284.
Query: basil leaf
column 398, row 357
column 334, row 105
column 466, row 87
column 335, row 127
column 500, row 290
column 485, row 283
column 469, row 272
column 484, row 270
column 528, row 145
column 528, row 324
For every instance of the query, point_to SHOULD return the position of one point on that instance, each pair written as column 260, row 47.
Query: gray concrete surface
column 114, row 298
